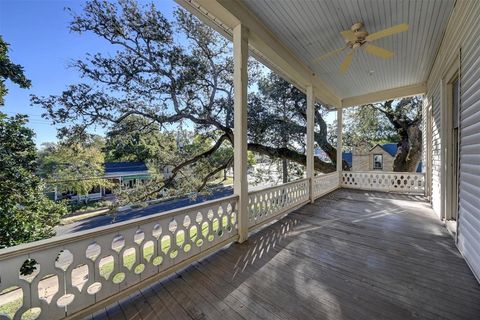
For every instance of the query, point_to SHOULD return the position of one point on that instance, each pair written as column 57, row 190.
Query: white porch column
column 339, row 141
column 240, row 81
column 310, row 138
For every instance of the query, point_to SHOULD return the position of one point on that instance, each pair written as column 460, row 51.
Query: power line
column 21, row 113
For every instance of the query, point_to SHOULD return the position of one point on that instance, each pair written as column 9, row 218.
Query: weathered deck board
column 350, row 255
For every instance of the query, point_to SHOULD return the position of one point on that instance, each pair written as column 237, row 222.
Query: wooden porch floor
column 350, row 255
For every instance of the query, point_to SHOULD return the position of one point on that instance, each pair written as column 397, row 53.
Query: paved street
column 98, row 221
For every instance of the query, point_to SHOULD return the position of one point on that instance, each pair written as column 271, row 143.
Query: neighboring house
column 380, row 158
column 127, row 174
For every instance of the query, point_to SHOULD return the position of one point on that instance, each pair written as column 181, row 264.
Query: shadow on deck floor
column 350, row 255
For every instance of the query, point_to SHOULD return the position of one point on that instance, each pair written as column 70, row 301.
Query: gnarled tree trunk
column 409, row 150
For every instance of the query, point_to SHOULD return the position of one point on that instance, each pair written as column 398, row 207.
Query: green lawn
column 10, row 308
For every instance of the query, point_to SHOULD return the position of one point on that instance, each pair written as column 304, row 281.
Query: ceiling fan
column 357, row 37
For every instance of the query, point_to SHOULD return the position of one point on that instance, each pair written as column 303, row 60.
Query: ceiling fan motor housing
column 356, row 37
column 359, row 34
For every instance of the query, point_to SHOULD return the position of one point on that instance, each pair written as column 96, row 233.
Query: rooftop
column 116, row 167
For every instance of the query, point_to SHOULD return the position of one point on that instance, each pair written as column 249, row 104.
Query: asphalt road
column 99, row 221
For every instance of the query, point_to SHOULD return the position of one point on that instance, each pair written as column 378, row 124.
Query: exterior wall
column 360, row 162
column 364, row 162
column 461, row 42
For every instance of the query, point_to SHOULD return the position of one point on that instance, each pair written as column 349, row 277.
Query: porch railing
column 267, row 204
column 410, row 182
column 73, row 275
column 323, row 184
column 62, row 276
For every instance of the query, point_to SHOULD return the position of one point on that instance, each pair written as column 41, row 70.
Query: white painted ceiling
column 312, row 28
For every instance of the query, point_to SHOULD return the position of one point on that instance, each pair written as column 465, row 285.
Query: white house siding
column 463, row 33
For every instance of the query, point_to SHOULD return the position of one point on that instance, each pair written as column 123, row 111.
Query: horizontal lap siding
column 463, row 32
column 469, row 227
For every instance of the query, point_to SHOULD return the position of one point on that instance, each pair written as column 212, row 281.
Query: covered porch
column 342, row 245
column 349, row 255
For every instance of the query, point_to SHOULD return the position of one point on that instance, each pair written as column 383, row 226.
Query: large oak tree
column 385, row 122
column 167, row 72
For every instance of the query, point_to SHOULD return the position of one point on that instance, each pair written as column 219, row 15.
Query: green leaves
column 26, row 214
column 10, row 70
column 367, row 125
column 73, row 166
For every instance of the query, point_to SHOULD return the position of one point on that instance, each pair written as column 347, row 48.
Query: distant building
column 126, row 174
column 380, row 158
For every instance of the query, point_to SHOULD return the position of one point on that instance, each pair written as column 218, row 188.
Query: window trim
column 381, row 166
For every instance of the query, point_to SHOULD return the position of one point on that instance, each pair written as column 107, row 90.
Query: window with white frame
column 377, row 162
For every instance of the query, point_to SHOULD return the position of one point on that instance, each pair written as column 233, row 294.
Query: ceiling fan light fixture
column 357, row 37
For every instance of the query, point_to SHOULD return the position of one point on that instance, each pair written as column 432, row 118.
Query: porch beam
column 339, row 141
column 383, row 95
column 310, row 138
column 240, row 81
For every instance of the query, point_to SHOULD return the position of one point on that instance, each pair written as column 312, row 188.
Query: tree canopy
column 73, row 166
column 10, row 71
column 26, row 214
column 166, row 81
column 396, row 121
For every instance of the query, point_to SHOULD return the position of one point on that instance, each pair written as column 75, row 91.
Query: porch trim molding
column 395, row 93
column 339, row 142
column 310, row 137
column 240, row 83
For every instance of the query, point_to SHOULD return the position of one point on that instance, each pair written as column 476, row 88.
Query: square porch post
column 240, row 81
column 310, row 139
column 339, row 143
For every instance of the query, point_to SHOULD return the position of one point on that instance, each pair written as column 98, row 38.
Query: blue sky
column 37, row 31
column 40, row 40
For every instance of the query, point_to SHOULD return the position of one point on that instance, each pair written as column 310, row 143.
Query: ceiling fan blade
column 331, row 53
column 348, row 35
column 378, row 51
column 387, row 32
column 346, row 62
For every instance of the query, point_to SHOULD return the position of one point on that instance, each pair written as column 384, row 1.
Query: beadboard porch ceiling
column 289, row 35
column 312, row 28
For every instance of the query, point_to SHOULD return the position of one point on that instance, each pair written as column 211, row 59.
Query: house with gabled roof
column 380, row 158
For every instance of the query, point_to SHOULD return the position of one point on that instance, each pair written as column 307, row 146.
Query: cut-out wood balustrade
column 75, row 274
column 410, row 182
column 58, row 277
column 267, row 204
column 325, row 183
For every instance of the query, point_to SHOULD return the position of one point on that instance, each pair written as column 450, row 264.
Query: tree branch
column 224, row 166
